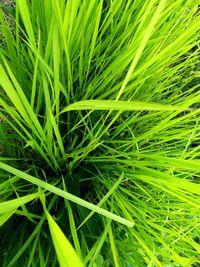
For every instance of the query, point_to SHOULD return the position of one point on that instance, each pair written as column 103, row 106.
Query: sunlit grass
column 99, row 132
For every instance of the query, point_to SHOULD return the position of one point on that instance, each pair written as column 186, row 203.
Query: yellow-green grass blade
column 25, row 14
column 65, row 194
column 113, row 247
column 20, row 101
column 119, row 105
column 145, row 39
column 31, row 237
column 4, row 217
column 35, row 73
column 67, row 256
column 95, row 33
column 13, row 204
column 57, row 133
column 107, row 195
column 57, row 66
column 73, row 229
column 58, row 15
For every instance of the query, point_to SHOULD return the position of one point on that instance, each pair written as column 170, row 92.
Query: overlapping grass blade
column 64, row 194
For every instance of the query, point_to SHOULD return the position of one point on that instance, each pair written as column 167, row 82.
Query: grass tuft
column 99, row 119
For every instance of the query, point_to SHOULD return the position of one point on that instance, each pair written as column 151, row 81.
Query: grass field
column 99, row 133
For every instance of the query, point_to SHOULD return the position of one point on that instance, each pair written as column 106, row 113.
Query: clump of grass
column 99, row 107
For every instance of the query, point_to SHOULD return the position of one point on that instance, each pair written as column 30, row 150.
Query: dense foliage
column 99, row 133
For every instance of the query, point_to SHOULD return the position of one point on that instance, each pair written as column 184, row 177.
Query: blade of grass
column 66, row 195
column 4, row 217
column 120, row 105
column 10, row 205
column 65, row 252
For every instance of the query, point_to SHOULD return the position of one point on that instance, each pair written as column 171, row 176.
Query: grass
column 99, row 131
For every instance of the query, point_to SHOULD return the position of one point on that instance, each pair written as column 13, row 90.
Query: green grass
column 99, row 133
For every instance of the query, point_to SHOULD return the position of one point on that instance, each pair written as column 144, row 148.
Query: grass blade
column 66, row 195
column 10, row 205
column 66, row 254
column 119, row 105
